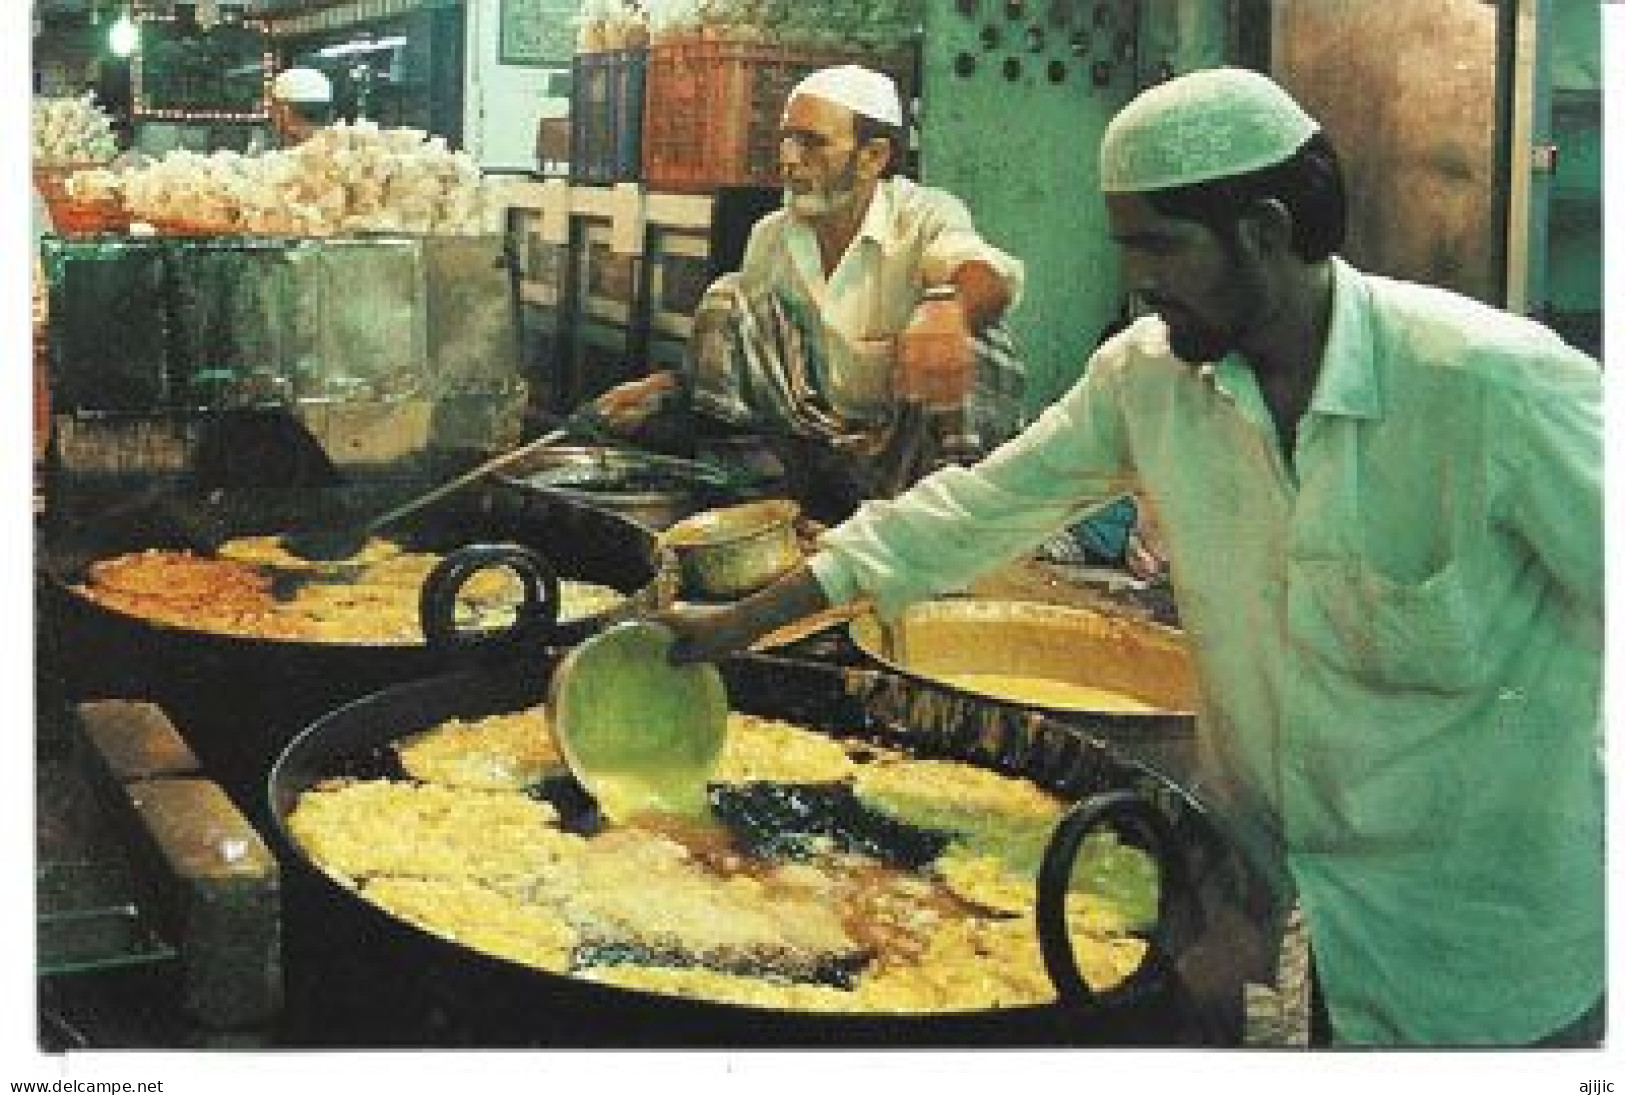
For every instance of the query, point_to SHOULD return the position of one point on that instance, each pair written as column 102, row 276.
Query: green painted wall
column 1021, row 149
column 1574, row 228
column 1576, row 45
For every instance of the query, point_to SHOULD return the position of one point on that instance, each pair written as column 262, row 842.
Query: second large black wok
column 359, row 976
column 238, row 699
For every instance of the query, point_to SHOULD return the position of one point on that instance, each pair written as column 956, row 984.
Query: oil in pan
column 819, row 895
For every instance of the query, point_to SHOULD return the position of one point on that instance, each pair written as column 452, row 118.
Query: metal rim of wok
column 383, row 717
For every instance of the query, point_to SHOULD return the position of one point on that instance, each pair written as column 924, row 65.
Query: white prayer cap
column 302, row 85
column 1205, row 125
column 860, row 90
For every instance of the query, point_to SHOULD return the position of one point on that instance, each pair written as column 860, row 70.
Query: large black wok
column 358, row 976
column 238, row 700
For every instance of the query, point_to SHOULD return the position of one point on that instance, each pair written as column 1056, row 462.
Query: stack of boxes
column 685, row 97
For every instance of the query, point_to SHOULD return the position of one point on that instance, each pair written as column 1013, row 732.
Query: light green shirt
column 1398, row 635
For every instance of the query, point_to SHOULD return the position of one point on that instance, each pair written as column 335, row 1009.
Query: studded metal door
column 1015, row 97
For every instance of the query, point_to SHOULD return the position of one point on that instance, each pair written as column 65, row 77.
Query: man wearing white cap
column 301, row 102
column 1382, row 504
column 816, row 339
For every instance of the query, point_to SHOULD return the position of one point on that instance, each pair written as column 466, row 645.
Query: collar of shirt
column 803, row 241
column 1348, row 385
column 878, row 218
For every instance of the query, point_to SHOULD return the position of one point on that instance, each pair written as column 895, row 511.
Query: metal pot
column 954, row 636
column 648, row 488
column 725, row 554
column 361, row 976
column 938, row 642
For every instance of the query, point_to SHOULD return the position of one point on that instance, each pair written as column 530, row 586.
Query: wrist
column 791, row 598
column 939, row 311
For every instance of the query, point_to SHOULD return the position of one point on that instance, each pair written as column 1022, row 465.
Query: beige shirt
column 1398, row 635
column 911, row 237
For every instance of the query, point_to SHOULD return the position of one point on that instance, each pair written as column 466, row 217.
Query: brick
column 134, row 740
column 216, row 888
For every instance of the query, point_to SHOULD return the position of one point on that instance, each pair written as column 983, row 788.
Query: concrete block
column 134, row 740
column 217, row 891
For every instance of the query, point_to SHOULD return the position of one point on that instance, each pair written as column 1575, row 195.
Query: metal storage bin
column 606, row 116
column 382, row 349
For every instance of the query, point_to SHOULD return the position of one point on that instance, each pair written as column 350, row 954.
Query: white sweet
column 71, row 131
column 346, row 178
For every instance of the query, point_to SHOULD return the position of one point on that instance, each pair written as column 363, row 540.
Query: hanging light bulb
column 124, row 37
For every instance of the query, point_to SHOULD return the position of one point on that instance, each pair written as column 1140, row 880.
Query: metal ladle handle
column 496, row 463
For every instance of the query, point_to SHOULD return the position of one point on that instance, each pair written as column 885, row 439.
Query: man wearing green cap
column 1382, row 507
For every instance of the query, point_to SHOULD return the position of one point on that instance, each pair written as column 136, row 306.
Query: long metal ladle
column 342, row 540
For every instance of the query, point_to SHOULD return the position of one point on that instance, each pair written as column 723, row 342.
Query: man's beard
column 1195, row 342
column 837, row 195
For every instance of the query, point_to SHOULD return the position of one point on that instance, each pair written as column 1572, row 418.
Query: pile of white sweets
column 69, row 131
column 346, row 179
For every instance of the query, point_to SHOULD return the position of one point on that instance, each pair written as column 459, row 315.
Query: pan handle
column 1177, row 911
column 538, row 613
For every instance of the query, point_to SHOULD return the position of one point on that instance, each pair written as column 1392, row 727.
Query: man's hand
column 936, row 360
column 705, row 633
column 626, row 407
column 710, row 633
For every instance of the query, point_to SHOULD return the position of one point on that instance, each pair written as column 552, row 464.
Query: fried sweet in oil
column 823, row 923
column 507, row 751
column 269, row 551
column 253, row 594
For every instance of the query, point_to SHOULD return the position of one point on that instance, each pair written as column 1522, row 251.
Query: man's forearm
column 795, row 596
